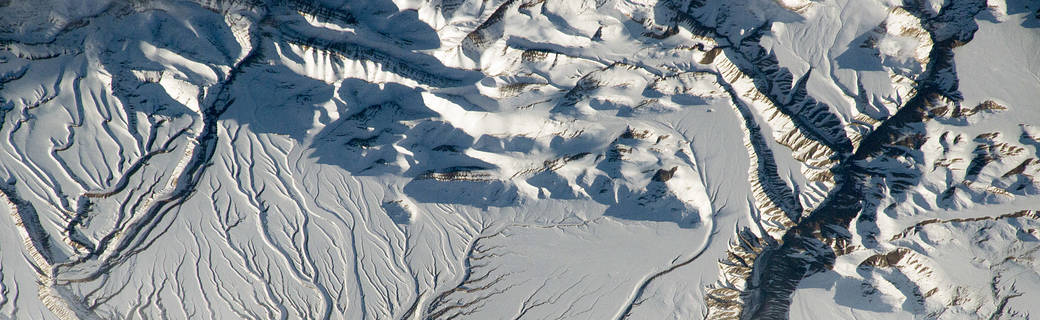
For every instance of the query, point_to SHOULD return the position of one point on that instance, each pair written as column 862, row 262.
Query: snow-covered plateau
column 519, row 159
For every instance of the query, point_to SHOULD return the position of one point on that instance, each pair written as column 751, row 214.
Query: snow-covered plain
column 520, row 159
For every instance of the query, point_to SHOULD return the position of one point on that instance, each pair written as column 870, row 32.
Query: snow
column 513, row 159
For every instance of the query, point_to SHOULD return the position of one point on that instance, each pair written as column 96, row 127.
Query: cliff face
column 542, row 159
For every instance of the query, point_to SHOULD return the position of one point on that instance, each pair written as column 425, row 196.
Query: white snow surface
column 518, row 159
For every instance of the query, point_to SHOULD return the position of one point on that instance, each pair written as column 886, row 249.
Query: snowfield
column 520, row 159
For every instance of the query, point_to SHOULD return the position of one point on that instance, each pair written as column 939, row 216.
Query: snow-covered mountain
column 520, row 159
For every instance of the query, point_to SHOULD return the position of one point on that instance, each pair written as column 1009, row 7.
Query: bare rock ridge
column 519, row 159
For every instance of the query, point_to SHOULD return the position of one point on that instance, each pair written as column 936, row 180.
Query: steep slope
column 539, row 159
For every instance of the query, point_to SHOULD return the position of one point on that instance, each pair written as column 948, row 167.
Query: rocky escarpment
column 813, row 244
column 445, row 159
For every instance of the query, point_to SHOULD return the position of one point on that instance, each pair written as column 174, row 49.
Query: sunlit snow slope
column 519, row 159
